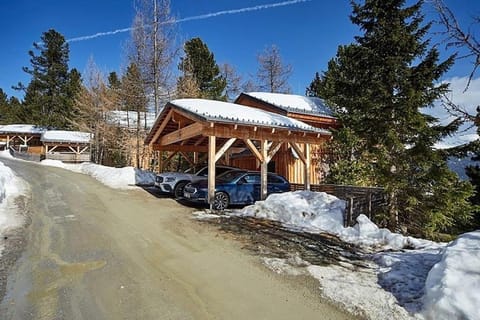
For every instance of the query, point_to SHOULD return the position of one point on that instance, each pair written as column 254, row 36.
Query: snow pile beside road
column 452, row 286
column 320, row 212
column 117, row 178
column 6, row 154
column 10, row 187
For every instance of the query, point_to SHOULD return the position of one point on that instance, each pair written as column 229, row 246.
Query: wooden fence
column 360, row 200
column 68, row 157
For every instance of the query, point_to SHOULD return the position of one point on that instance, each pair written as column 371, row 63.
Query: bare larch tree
column 273, row 74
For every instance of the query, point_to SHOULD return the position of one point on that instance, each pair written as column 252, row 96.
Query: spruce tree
column 4, row 107
column 50, row 95
column 199, row 64
column 377, row 86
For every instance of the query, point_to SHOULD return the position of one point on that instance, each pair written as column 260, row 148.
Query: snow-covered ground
column 393, row 284
column 403, row 278
column 11, row 187
column 118, row 178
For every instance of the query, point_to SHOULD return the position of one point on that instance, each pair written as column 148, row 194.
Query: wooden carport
column 214, row 127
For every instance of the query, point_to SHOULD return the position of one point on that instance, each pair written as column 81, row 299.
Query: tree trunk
column 392, row 210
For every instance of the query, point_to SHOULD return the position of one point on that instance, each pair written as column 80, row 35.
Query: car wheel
column 221, row 201
column 178, row 191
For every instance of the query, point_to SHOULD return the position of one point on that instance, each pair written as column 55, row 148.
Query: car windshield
column 230, row 175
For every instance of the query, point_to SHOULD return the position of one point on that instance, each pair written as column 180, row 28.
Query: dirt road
column 97, row 253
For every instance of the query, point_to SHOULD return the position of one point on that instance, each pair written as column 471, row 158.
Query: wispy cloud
column 199, row 17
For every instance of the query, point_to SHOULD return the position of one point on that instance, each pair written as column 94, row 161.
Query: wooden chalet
column 66, row 146
column 219, row 129
column 287, row 162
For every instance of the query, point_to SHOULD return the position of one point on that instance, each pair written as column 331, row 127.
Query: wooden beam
column 211, row 169
column 273, row 150
column 51, row 150
column 254, row 149
column 263, row 170
column 306, row 173
column 170, row 157
column 298, row 151
column 162, row 126
column 176, row 147
column 184, row 133
column 228, row 131
column 185, row 156
column 224, row 148
column 84, row 149
column 200, row 140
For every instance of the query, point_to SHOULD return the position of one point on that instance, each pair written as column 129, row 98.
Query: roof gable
column 293, row 103
column 218, row 111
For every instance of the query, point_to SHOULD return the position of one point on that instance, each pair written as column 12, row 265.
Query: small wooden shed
column 21, row 137
column 199, row 126
column 67, row 146
column 310, row 110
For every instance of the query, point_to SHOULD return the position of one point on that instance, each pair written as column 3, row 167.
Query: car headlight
column 169, row 179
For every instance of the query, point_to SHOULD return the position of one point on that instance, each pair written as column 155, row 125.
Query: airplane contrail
column 199, row 17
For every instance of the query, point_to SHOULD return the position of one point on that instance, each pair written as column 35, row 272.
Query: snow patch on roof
column 235, row 113
column 294, row 103
column 22, row 128
column 66, row 136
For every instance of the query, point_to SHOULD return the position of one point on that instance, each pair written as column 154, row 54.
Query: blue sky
column 307, row 33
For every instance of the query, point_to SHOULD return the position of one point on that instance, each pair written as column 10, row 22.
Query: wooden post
column 348, row 220
column 306, row 173
column 160, row 161
column 369, row 205
column 263, row 169
column 8, row 142
column 211, row 169
column 195, row 158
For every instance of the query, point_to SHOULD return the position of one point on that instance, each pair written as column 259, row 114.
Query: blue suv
column 236, row 187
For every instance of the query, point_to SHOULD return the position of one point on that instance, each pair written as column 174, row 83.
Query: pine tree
column 199, row 64
column 4, row 107
column 50, row 95
column 377, row 86
column 314, row 87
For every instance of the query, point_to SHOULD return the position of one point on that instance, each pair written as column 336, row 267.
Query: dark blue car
column 236, row 187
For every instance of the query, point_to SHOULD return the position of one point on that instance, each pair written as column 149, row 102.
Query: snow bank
column 452, row 286
column 117, row 178
column 6, row 154
column 10, row 187
column 320, row 212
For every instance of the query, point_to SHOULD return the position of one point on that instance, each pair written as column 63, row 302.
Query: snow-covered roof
column 22, row 128
column 66, row 136
column 294, row 103
column 219, row 111
column 129, row 119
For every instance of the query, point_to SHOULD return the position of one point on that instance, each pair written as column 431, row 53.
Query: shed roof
column 293, row 103
column 66, row 136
